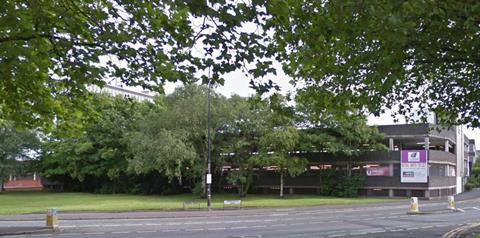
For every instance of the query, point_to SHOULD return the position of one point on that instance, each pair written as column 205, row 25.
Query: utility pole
column 209, row 158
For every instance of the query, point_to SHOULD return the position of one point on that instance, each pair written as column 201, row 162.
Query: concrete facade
column 450, row 158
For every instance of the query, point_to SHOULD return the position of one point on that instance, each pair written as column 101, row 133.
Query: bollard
column 52, row 219
column 451, row 202
column 414, row 205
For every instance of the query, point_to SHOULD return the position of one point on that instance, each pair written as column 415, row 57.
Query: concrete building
column 128, row 93
column 423, row 160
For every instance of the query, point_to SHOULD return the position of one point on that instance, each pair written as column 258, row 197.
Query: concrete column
column 427, row 143
column 390, row 192
column 35, row 176
column 409, row 193
column 10, row 177
column 427, row 193
column 390, row 167
column 291, row 191
column 391, row 145
column 447, row 145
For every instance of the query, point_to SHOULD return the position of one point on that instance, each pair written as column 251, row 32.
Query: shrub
column 335, row 183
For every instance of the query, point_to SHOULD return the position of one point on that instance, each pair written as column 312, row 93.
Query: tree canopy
column 408, row 56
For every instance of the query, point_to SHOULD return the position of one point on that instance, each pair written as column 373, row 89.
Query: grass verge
column 38, row 202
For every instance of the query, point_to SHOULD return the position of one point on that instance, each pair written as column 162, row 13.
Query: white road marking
column 337, row 235
column 121, row 232
column 94, row 233
column 216, row 228
column 238, row 227
column 358, row 233
column 146, row 231
column 90, row 226
column 427, row 227
column 259, row 226
column 278, row 214
column 111, row 225
column 269, row 220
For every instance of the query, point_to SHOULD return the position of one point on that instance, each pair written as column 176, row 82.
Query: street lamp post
column 209, row 155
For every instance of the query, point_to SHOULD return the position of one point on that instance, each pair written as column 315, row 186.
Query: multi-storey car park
column 423, row 160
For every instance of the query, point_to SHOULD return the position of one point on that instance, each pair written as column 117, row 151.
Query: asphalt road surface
column 377, row 220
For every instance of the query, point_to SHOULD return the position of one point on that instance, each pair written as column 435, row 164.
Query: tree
column 15, row 146
column 239, row 141
column 407, row 56
column 97, row 158
column 279, row 139
column 414, row 55
column 51, row 51
column 166, row 151
column 474, row 179
column 277, row 144
column 174, row 140
column 349, row 138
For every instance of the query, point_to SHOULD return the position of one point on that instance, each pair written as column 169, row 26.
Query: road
column 381, row 220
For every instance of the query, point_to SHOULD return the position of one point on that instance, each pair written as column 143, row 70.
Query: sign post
column 414, row 166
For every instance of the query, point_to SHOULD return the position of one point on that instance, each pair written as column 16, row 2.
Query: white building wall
column 459, row 151
column 114, row 91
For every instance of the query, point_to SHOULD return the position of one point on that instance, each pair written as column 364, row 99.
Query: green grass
column 38, row 202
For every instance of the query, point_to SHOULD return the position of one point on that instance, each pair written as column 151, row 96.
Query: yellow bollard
column 451, row 202
column 414, row 205
column 52, row 219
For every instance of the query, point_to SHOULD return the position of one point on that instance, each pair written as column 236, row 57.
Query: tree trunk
column 204, row 187
column 247, row 185
column 240, row 189
column 349, row 167
column 1, row 185
column 281, row 185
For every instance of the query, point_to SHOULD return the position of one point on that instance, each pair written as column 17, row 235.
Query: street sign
column 209, row 178
column 414, row 166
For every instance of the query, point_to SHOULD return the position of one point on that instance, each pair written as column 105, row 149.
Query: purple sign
column 414, row 166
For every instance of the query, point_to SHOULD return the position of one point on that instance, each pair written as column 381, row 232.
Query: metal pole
column 209, row 158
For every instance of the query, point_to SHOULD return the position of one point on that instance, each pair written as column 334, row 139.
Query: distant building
column 25, row 183
column 127, row 93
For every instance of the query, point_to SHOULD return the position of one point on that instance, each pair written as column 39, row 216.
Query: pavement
column 15, row 230
column 369, row 220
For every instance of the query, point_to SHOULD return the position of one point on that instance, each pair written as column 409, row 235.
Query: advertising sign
column 378, row 171
column 414, row 166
